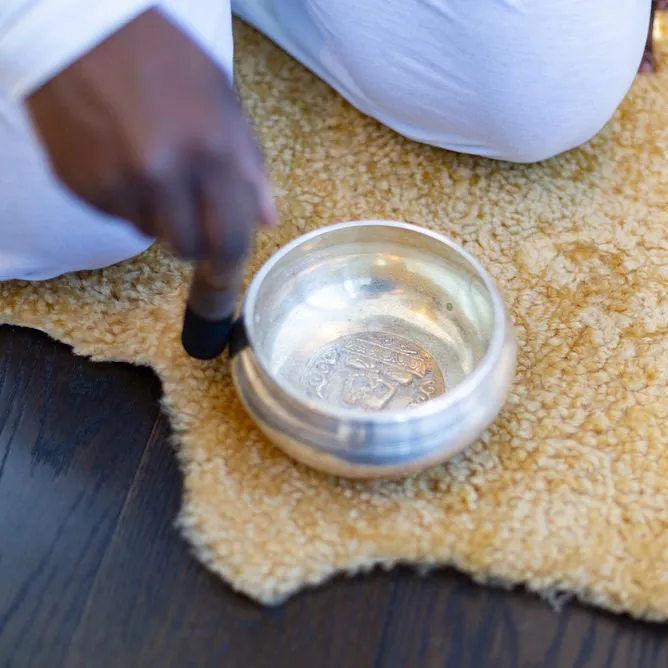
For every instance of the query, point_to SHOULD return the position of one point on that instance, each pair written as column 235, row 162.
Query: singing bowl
column 373, row 349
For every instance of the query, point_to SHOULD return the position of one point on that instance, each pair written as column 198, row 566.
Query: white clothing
column 39, row 38
column 44, row 230
column 520, row 80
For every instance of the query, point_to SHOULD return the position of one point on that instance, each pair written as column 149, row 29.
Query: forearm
column 40, row 38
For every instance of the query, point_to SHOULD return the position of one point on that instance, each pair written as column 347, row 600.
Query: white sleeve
column 39, row 38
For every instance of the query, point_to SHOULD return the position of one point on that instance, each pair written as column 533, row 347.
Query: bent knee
column 523, row 124
column 519, row 86
column 539, row 132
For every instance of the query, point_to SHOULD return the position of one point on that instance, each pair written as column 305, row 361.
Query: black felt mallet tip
column 205, row 339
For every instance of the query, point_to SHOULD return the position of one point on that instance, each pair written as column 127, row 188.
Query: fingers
column 228, row 208
column 206, row 211
column 200, row 212
column 268, row 213
column 173, row 218
column 256, row 174
column 234, row 195
column 251, row 164
column 203, row 196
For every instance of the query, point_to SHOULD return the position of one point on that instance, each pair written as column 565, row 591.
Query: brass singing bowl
column 373, row 349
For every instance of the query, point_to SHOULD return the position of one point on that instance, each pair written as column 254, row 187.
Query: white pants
column 518, row 80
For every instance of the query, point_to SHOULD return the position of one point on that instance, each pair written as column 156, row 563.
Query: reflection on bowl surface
column 371, row 318
column 373, row 349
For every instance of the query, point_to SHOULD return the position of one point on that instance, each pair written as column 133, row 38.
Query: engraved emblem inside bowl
column 373, row 371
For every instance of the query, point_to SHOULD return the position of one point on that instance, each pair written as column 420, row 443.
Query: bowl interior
column 372, row 317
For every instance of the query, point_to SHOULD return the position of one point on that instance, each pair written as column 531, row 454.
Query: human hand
column 147, row 128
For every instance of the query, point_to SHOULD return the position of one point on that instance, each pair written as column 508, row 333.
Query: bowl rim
column 445, row 401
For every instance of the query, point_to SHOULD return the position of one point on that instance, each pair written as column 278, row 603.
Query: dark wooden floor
column 92, row 574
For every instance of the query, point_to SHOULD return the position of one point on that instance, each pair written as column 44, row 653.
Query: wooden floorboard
column 71, row 436
column 93, row 574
